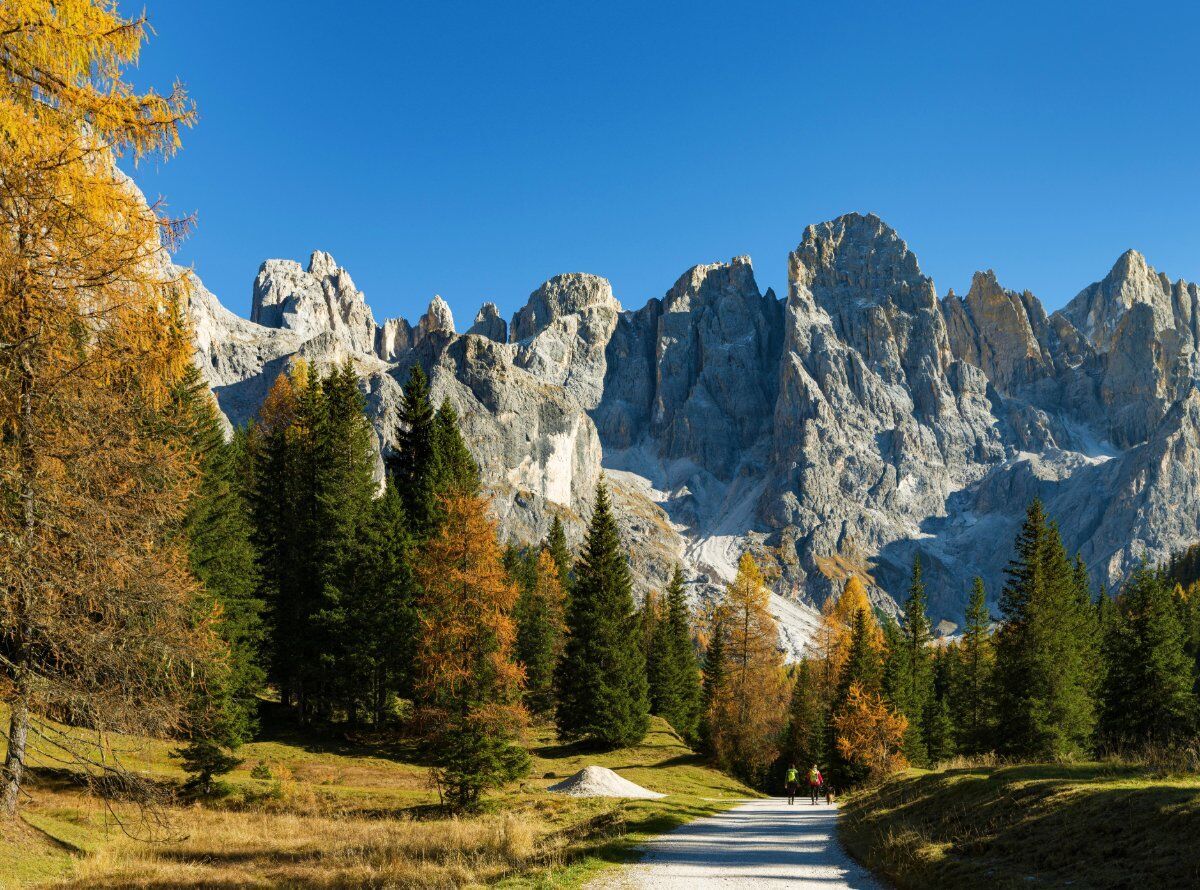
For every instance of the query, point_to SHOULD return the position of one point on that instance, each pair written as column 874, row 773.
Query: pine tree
column 414, row 462
column 973, row 709
column 222, row 557
column 910, row 670
column 540, row 630
column 1148, row 695
column 673, row 672
column 749, row 706
column 601, row 678
column 556, row 544
column 468, row 683
column 1046, row 656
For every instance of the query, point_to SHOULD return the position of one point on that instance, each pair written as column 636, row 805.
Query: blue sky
column 476, row 149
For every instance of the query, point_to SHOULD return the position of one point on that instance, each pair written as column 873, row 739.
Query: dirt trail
column 763, row 843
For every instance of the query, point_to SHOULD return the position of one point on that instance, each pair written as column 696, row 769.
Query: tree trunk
column 14, row 761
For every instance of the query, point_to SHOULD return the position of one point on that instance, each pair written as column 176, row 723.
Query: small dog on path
column 829, row 798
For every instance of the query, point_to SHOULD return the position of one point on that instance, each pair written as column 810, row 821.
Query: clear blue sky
column 475, row 149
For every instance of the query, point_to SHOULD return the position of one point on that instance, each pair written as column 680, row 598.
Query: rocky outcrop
column 488, row 323
column 847, row 428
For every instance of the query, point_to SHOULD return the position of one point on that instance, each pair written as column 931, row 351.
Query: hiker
column 793, row 779
column 815, row 781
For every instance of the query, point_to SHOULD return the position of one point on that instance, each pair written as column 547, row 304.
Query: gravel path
column 763, row 843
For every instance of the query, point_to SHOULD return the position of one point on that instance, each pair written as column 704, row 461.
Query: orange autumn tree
column 95, row 471
column 869, row 734
column 748, row 707
column 467, row 682
column 832, row 639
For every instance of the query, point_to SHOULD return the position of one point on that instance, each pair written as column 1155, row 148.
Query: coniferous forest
column 393, row 605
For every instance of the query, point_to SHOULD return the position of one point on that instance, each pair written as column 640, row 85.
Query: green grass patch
column 1085, row 825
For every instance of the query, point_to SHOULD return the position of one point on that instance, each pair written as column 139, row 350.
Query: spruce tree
column 556, row 544
column 909, row 686
column 601, row 678
column 1046, row 651
column 540, row 628
column 673, row 672
column 414, row 463
column 343, row 476
column 455, row 469
column 973, row 707
column 283, row 501
column 805, row 741
column 712, row 677
column 940, row 732
column 1148, row 695
column 381, row 616
column 223, row 559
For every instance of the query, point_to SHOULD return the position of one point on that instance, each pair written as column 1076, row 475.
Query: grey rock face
column 488, row 323
column 847, row 428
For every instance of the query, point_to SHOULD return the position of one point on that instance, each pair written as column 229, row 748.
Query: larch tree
column 860, row 681
column 869, row 736
column 97, row 623
column 749, row 707
column 468, row 683
column 600, row 682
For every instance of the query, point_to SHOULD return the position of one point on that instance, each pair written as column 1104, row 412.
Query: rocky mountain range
column 846, row 427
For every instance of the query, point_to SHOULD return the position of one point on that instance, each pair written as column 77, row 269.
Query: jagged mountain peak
column 322, row 264
column 563, row 295
column 853, row 424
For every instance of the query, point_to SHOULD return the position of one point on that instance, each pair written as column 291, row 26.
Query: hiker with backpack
column 793, row 779
column 815, row 782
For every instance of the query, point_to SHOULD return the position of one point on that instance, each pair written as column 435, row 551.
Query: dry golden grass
column 247, row 849
column 336, row 814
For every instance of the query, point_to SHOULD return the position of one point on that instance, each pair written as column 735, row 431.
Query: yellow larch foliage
column 96, row 593
column 832, row 639
column 869, row 733
column 748, row 709
column 465, row 645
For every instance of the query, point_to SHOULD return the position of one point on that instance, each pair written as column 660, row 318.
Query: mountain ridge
column 850, row 425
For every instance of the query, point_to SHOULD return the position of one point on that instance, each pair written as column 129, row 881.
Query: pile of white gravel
column 596, row 781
